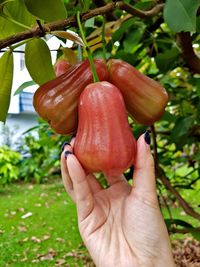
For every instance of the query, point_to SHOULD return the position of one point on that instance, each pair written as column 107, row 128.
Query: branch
column 161, row 175
column 186, row 207
column 183, row 230
column 71, row 21
column 139, row 13
column 185, row 42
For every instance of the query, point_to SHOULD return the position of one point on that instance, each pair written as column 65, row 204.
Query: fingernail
column 67, row 153
column 64, row 144
column 147, row 138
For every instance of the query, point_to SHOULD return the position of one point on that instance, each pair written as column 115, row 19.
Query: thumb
column 144, row 171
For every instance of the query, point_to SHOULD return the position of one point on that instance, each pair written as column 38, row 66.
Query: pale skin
column 122, row 225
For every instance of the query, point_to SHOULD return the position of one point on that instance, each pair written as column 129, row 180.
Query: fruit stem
column 87, row 48
column 103, row 40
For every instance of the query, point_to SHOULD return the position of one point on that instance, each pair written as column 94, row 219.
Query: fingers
column 144, row 171
column 64, row 171
column 82, row 191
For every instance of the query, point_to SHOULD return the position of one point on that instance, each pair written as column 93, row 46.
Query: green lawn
column 49, row 236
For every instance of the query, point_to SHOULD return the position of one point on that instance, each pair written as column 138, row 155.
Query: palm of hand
column 118, row 223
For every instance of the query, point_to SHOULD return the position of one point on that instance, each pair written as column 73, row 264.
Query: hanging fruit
column 145, row 98
column 104, row 141
column 56, row 101
column 61, row 66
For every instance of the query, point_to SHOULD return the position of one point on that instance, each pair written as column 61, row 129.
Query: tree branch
column 71, row 21
column 185, row 42
column 186, row 207
column 139, row 13
column 161, row 175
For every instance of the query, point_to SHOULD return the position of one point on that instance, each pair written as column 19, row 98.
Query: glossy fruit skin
column 145, row 98
column 57, row 100
column 104, row 141
column 61, row 66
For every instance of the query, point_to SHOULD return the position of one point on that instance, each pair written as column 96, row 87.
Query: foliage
column 162, row 43
column 9, row 165
column 41, row 153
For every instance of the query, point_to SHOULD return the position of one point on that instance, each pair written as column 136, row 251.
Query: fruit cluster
column 97, row 112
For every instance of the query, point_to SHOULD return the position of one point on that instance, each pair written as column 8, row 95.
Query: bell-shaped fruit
column 104, row 141
column 61, row 66
column 145, row 98
column 57, row 100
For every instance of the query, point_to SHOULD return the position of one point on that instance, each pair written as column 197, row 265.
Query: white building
column 22, row 115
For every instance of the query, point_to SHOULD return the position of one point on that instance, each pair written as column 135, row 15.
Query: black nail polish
column 147, row 138
column 67, row 153
column 63, row 145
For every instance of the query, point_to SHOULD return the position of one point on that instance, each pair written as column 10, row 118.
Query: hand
column 122, row 225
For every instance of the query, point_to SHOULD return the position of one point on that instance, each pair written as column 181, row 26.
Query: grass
column 49, row 236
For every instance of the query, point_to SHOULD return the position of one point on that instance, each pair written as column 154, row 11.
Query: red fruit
column 57, row 100
column 145, row 98
column 61, row 66
column 104, row 141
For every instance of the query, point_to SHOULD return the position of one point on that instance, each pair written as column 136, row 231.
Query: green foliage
column 55, row 11
column 38, row 61
column 180, row 15
column 9, row 165
column 6, row 78
column 23, row 86
column 41, row 150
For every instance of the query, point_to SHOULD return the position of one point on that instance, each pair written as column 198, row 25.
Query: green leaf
column 195, row 233
column 38, row 61
column 49, row 10
column 167, row 60
column 6, row 78
column 117, row 35
column 23, row 86
column 133, row 38
column 181, row 130
column 180, row 15
column 17, row 11
column 90, row 23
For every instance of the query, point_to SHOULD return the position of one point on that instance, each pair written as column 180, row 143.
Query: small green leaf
column 49, row 10
column 38, row 61
column 90, row 23
column 6, row 78
column 23, row 86
column 167, row 60
column 180, row 15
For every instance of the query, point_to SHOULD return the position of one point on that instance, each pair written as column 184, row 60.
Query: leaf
column 167, row 60
column 182, row 126
column 49, row 10
column 90, row 23
column 6, row 78
column 180, row 15
column 70, row 36
column 38, row 61
column 18, row 12
column 23, row 86
column 69, row 55
column 118, row 34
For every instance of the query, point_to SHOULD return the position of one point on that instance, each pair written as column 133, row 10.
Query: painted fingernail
column 72, row 137
column 147, row 138
column 67, row 153
column 64, row 144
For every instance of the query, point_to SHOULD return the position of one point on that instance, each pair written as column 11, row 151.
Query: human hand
column 122, row 225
